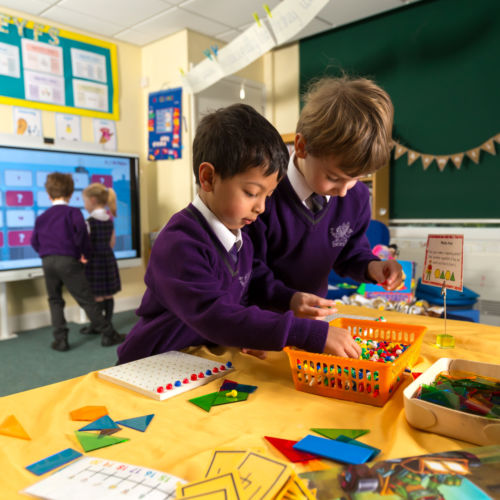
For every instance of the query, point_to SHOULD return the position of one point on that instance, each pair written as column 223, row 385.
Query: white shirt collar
column 59, row 202
column 99, row 214
column 298, row 182
column 225, row 235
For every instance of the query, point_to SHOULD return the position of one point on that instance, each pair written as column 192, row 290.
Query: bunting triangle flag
column 442, row 161
column 335, row 433
column 90, row 441
column 100, row 424
column 89, row 413
column 399, row 151
column 489, row 146
column 427, row 160
column 11, row 427
column 473, row 154
column 457, row 159
column 137, row 423
column 412, row 157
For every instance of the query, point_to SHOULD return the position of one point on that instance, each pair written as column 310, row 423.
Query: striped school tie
column 233, row 252
column 316, row 202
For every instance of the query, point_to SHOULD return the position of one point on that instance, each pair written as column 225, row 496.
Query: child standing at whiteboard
column 317, row 218
column 201, row 265
column 101, row 268
column 61, row 239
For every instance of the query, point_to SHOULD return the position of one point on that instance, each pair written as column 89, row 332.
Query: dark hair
column 235, row 139
column 59, row 185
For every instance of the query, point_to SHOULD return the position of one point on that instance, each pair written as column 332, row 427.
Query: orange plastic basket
column 358, row 380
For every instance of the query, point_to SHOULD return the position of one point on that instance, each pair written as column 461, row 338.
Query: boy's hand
column 387, row 273
column 341, row 343
column 83, row 260
column 255, row 352
column 308, row 305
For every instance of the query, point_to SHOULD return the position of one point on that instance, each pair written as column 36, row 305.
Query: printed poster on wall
column 443, row 265
column 27, row 122
column 68, row 127
column 105, row 133
column 164, row 124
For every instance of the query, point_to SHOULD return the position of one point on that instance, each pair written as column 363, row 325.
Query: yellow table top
column 182, row 436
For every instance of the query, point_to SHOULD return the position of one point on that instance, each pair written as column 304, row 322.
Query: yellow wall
column 29, row 296
column 165, row 186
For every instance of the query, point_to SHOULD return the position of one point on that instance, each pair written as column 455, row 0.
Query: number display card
column 165, row 375
column 444, row 257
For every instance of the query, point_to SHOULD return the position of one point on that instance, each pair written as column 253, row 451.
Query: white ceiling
column 143, row 21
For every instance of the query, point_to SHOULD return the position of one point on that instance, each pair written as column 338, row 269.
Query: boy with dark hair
column 200, row 268
column 61, row 239
column 317, row 219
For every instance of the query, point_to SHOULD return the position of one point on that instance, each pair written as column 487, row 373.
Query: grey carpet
column 28, row 361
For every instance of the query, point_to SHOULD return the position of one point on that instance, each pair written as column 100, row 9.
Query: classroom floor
column 28, row 361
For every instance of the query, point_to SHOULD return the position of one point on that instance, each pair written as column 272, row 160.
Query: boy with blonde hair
column 317, row 218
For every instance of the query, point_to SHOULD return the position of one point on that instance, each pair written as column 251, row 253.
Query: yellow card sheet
column 295, row 488
column 228, row 483
column 262, row 477
column 223, row 461
column 212, row 495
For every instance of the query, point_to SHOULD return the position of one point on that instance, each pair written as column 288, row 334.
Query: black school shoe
column 88, row 330
column 60, row 345
column 112, row 339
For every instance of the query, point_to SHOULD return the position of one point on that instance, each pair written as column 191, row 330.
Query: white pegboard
column 165, row 375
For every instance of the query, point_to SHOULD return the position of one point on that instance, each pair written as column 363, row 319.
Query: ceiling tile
column 135, row 37
column 28, row 6
column 227, row 36
column 78, row 20
column 174, row 20
column 120, row 12
column 232, row 13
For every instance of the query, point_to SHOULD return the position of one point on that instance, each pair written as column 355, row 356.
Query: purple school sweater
column 61, row 230
column 301, row 248
column 195, row 295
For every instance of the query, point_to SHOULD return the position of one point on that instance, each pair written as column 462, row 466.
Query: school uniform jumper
column 301, row 247
column 196, row 295
column 60, row 237
column 101, row 269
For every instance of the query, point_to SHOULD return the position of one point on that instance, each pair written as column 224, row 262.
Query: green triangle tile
column 335, row 433
column 222, row 398
column 90, row 441
column 205, row 402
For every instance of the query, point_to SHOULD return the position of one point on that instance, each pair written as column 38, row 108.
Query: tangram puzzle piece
column 90, row 441
column 229, row 385
column 415, row 375
column 137, row 423
column 54, row 461
column 285, row 446
column 89, row 413
column 345, row 439
column 218, row 398
column 334, row 450
column 11, row 427
column 100, row 424
column 335, row 433
column 108, row 432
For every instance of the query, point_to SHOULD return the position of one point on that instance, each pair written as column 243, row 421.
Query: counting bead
column 229, row 364
column 215, row 370
column 222, row 368
column 208, row 373
column 169, row 387
column 177, row 383
column 194, row 376
column 185, row 381
column 201, row 375
column 160, row 389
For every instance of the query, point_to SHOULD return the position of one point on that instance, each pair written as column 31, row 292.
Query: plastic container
column 454, row 423
column 358, row 380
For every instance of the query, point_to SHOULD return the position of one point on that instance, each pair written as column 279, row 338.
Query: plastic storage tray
column 454, row 423
column 358, row 380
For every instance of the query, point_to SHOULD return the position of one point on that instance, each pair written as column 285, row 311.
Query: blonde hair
column 105, row 197
column 350, row 119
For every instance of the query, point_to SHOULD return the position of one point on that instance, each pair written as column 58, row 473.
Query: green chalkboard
column 438, row 59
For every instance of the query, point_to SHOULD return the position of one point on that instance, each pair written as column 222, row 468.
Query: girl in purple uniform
column 317, row 218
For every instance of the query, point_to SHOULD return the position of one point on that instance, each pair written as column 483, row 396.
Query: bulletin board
column 56, row 70
column 436, row 60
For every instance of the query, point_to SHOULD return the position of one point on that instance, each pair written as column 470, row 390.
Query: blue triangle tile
column 99, row 424
column 137, row 423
